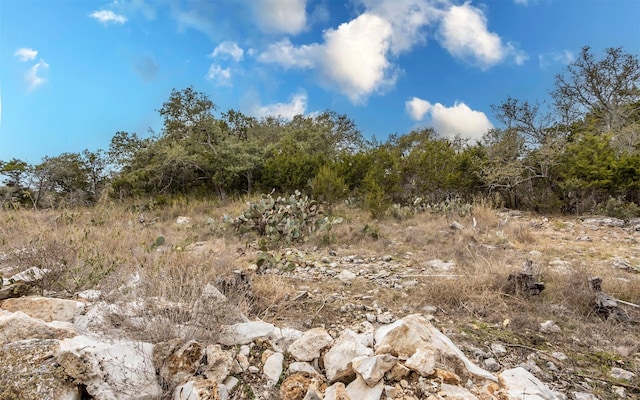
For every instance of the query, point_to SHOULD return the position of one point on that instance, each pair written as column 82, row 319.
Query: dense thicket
column 577, row 153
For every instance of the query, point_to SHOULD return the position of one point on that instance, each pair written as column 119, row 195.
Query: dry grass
column 107, row 248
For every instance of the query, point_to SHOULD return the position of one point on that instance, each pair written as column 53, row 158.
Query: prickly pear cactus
column 284, row 219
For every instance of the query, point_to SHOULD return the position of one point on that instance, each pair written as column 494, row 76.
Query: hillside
column 452, row 267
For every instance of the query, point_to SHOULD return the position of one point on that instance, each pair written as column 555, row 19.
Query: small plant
column 618, row 208
column 282, row 219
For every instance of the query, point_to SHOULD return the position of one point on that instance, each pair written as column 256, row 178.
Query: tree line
column 575, row 153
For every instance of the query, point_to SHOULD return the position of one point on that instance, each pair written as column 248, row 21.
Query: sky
column 74, row 72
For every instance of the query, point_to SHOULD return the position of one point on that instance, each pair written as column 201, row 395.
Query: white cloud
column 221, row 76
column 26, row 54
column 33, row 75
column 297, row 106
column 107, row 16
column 417, row 108
column 450, row 121
column 230, row 49
column 465, row 35
column 408, row 18
column 280, row 16
column 287, row 55
column 523, row 2
column 564, row 57
column 353, row 57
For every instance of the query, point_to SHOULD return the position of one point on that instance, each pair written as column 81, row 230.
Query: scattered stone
column 621, row 374
column 303, row 367
column 385, row 318
column 200, row 389
column 523, row 282
column 456, row 226
column 183, row 220
column 220, row 364
column 549, row 327
column 358, row 389
column 176, row 361
column 337, row 361
column 498, row 350
column 492, row 365
column 372, row 369
column 246, row 332
column 404, row 337
column 454, row 392
column 519, row 384
column 32, row 274
column 337, row 391
column 309, row 345
column 44, row 308
column 273, row 368
column 346, row 276
column 605, row 221
column 559, row 356
column 23, row 378
column 423, row 361
column 583, row 396
column 19, row 326
column 441, row 265
column 116, row 370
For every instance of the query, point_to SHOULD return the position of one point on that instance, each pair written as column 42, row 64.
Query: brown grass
column 106, row 247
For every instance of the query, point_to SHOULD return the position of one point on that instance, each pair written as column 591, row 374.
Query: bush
column 618, row 208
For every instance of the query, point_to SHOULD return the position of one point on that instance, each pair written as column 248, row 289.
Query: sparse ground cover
column 452, row 264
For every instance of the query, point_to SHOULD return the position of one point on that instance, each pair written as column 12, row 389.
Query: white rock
column 454, row 392
column 304, row 367
column 549, row 327
column 372, row 369
column 423, row 361
column 220, row 364
column 583, row 396
column 519, row 384
column 337, row 391
column 309, row 345
column 358, row 389
column 623, row 374
column 246, row 332
column 337, row 361
column 404, row 337
column 32, row 274
column 231, row 382
column 44, row 308
column 441, row 265
column 183, row 220
column 110, row 370
column 19, row 326
column 200, row 389
column 346, row 276
column 498, row 349
column 273, row 368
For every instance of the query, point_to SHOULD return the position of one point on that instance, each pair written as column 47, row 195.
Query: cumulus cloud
column 107, row 16
column 26, row 54
column 297, row 106
column 450, row 121
column 357, row 57
column 352, row 58
column 465, row 35
column 33, row 75
column 564, row 57
column 220, row 76
column 417, row 108
column 228, row 49
column 280, row 16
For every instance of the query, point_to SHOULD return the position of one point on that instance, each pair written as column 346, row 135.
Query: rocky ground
column 492, row 306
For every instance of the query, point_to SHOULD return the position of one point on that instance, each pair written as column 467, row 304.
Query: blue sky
column 73, row 72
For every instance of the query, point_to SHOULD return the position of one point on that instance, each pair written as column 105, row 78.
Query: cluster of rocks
column 48, row 353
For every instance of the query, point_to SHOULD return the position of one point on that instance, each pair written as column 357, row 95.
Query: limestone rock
column 28, row 370
column 404, row 337
column 46, row 309
column 303, row 367
column 423, row 361
column 183, row 220
column 622, row 374
column 358, row 389
column 520, row 384
column 19, row 326
column 220, row 364
column 32, row 274
column 454, row 392
column 246, row 332
column 301, row 386
column 337, row 391
column 273, row 368
column 372, row 369
column 200, row 389
column 110, row 371
column 309, row 345
column 177, row 362
column 337, row 361
column 346, row 276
